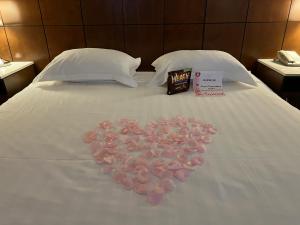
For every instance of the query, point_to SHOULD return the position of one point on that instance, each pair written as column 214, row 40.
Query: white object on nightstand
column 13, row 68
column 283, row 80
column 3, row 63
column 280, row 68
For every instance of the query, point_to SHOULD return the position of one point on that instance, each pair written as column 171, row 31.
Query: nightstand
column 15, row 77
column 283, row 80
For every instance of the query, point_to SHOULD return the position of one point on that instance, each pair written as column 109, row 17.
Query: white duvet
column 251, row 174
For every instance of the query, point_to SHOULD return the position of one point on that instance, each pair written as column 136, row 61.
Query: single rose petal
column 127, row 183
column 195, row 124
column 197, row 161
column 174, row 165
column 125, row 131
column 141, row 168
column 95, row 146
column 212, row 130
column 132, row 148
column 160, row 171
column 206, row 139
column 169, row 153
column 121, row 157
column 141, row 189
column 188, row 166
column 152, row 124
column 196, row 131
column 164, row 144
column 181, row 158
column 107, row 169
column 108, row 159
column 99, row 158
column 143, row 177
column 191, row 120
column 127, row 141
column 192, row 142
column 158, row 162
column 148, row 146
column 189, row 150
column 89, row 137
column 137, row 131
column 151, row 138
column 181, row 174
column 164, row 129
column 151, row 154
column 119, row 176
column 127, row 168
column 141, row 162
column 105, row 125
column 167, row 184
column 149, row 132
column 200, row 148
column 124, row 121
column 110, row 150
column 183, row 131
column 155, row 196
column 99, row 152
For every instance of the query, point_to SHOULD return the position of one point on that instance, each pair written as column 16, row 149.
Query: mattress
column 251, row 173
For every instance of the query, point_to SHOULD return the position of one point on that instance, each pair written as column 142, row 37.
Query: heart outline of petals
column 151, row 158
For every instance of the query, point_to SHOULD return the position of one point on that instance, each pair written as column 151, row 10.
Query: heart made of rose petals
column 150, row 159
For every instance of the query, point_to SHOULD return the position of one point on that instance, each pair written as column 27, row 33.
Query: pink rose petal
column 141, row 189
column 119, row 176
column 107, row 169
column 90, row 137
column 155, row 196
column 174, row 165
column 125, row 131
column 200, row 148
column 143, row 177
column 169, row 153
column 105, row 125
column 167, row 184
column 108, row 159
column 181, row 174
column 197, row 161
column 95, row 146
column 127, row 183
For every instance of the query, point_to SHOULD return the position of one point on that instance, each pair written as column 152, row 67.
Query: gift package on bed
column 179, row 81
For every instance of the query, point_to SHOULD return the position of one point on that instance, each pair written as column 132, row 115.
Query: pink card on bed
column 208, row 83
column 150, row 159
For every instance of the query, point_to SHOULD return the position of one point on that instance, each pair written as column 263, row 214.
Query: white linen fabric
column 200, row 60
column 91, row 64
column 48, row 176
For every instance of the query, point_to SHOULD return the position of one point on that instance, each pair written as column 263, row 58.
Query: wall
column 248, row 29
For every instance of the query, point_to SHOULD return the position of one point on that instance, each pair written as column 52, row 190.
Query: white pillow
column 91, row 64
column 200, row 60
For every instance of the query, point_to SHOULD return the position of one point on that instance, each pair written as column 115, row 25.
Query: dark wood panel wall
column 248, row 29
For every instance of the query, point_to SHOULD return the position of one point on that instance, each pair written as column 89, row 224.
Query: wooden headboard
column 248, row 29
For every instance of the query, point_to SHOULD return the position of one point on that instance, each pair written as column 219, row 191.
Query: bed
column 251, row 172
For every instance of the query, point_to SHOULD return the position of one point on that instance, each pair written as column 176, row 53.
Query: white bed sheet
column 251, row 174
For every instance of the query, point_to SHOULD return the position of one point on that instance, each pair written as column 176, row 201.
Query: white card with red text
column 208, row 83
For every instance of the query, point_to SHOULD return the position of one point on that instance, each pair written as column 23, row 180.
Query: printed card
column 208, row 83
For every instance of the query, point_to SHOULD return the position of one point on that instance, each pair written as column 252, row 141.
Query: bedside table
column 15, row 77
column 283, row 80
